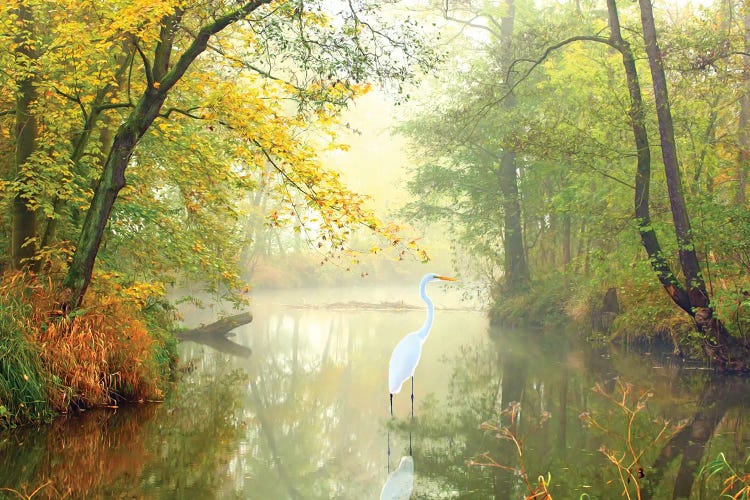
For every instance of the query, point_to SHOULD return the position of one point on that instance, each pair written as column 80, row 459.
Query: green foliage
column 576, row 161
column 724, row 235
column 161, row 320
column 244, row 118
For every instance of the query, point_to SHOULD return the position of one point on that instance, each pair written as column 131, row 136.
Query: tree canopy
column 132, row 129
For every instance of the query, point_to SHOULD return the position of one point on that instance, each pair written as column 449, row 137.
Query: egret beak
column 446, row 278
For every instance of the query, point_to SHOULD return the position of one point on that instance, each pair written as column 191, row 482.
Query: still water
column 295, row 405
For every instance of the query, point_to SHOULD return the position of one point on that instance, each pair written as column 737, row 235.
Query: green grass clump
column 102, row 354
column 23, row 384
column 540, row 306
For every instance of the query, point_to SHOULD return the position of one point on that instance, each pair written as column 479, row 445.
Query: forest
column 581, row 165
column 585, row 162
column 579, row 149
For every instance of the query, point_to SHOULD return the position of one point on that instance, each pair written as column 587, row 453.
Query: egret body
column 406, row 354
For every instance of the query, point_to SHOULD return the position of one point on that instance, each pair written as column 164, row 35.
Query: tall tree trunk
column 717, row 345
column 110, row 183
column 515, row 265
column 743, row 134
column 688, row 258
column 637, row 116
column 23, row 246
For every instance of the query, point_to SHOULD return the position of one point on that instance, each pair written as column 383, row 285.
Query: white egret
column 407, row 352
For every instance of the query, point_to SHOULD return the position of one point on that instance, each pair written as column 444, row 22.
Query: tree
column 482, row 149
column 516, row 270
column 692, row 297
column 698, row 300
column 24, row 216
column 113, row 76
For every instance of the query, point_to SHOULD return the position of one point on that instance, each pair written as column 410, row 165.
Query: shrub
column 100, row 354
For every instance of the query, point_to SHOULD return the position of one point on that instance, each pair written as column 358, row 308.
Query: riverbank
column 118, row 347
column 629, row 313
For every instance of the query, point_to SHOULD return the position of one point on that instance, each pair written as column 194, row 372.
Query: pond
column 295, row 405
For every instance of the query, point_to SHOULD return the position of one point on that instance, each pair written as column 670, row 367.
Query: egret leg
column 412, row 396
column 389, row 451
column 391, row 405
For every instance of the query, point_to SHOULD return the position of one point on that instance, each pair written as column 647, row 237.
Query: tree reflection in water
column 173, row 447
column 101, row 443
column 306, row 416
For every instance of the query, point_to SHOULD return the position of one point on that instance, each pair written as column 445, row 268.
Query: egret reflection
column 400, row 482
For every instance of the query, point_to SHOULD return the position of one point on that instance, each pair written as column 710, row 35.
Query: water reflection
column 400, row 482
column 166, row 448
column 219, row 343
column 306, row 416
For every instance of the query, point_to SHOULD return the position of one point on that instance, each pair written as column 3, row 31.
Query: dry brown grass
column 97, row 355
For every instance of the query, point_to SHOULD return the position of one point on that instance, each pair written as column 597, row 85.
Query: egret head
column 433, row 276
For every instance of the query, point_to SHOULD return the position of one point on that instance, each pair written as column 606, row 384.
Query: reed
column 737, row 484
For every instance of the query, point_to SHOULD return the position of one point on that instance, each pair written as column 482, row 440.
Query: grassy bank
column 646, row 314
column 116, row 348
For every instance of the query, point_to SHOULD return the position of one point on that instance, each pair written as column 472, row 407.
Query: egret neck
column 425, row 330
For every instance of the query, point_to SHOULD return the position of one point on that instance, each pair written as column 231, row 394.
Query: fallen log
column 222, row 327
column 215, row 335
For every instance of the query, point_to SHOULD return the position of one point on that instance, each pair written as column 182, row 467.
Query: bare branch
column 247, row 65
column 75, row 99
column 534, row 63
column 185, row 112
column 146, row 65
column 471, row 24
column 554, row 47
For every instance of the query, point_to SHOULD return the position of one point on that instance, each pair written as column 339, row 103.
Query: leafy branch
column 540, row 491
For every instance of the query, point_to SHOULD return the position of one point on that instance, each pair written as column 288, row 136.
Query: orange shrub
column 97, row 355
